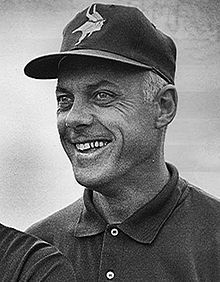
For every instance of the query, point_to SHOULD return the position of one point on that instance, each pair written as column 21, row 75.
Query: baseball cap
column 112, row 32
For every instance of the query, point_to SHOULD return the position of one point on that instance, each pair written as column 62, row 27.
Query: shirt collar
column 90, row 221
column 144, row 225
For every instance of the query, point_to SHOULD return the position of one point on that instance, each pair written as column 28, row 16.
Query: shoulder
column 204, row 199
column 61, row 222
column 26, row 257
column 202, row 205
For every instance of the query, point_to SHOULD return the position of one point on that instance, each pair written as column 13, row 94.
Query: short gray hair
column 153, row 83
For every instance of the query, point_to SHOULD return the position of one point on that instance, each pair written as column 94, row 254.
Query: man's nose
column 79, row 116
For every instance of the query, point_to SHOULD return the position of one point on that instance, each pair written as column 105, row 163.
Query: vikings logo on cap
column 94, row 23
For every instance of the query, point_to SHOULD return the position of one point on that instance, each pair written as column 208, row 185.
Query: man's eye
column 104, row 97
column 64, row 102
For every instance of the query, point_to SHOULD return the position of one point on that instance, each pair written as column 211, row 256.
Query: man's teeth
column 91, row 145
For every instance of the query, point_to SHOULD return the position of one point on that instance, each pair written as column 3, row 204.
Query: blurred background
column 36, row 177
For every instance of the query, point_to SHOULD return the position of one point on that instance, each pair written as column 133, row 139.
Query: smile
column 93, row 145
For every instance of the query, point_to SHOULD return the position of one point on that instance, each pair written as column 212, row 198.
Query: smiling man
column 107, row 128
column 138, row 220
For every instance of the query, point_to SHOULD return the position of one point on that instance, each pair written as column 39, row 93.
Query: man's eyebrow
column 103, row 82
column 62, row 90
column 90, row 87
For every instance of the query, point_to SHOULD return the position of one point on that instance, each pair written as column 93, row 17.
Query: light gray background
column 36, row 178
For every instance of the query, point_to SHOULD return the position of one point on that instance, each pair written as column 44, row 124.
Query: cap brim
column 46, row 67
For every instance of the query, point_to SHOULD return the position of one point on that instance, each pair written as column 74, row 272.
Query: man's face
column 106, row 126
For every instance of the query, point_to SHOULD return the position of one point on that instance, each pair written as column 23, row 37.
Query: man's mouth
column 90, row 146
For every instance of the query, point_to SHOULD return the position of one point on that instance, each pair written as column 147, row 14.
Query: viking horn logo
column 94, row 23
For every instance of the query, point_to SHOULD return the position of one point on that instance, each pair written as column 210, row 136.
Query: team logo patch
column 94, row 23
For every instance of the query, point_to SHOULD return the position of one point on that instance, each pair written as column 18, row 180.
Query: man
column 138, row 220
column 25, row 258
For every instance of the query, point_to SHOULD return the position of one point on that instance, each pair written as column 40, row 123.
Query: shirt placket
column 111, row 255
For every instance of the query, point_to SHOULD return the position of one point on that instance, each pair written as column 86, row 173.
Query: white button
column 114, row 232
column 110, row 275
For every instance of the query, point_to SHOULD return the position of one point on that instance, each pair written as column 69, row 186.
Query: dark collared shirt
column 174, row 237
column 25, row 258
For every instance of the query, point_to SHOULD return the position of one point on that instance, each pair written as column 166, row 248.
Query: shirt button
column 114, row 231
column 110, row 275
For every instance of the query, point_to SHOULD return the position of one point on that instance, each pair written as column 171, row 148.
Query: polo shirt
column 174, row 237
column 26, row 258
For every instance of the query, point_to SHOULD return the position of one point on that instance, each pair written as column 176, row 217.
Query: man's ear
column 166, row 101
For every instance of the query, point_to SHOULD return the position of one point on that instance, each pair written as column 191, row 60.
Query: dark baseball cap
column 112, row 32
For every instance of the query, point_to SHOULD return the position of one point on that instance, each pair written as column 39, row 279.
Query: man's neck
column 135, row 194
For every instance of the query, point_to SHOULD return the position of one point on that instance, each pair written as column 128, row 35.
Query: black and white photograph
column 110, row 140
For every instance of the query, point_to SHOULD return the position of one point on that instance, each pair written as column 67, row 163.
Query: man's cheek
column 61, row 126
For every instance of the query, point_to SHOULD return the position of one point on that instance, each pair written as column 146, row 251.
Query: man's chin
column 85, row 179
column 91, row 180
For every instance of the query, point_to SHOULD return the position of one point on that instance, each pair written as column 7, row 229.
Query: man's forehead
column 91, row 75
column 89, row 85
